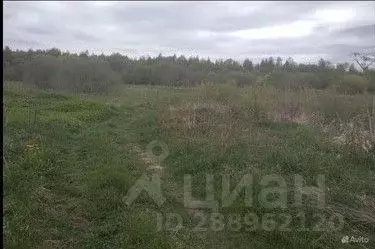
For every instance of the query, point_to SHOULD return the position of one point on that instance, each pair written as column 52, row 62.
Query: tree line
column 90, row 73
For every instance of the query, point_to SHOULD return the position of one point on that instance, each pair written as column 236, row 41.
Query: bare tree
column 364, row 60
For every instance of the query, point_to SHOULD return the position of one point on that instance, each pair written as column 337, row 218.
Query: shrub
column 352, row 84
column 265, row 80
column 86, row 75
column 297, row 80
column 78, row 74
column 370, row 75
column 41, row 71
column 222, row 93
column 244, row 79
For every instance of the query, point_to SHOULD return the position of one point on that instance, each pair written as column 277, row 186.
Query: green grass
column 70, row 164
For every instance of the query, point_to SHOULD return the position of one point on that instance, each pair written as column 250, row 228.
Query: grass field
column 70, row 161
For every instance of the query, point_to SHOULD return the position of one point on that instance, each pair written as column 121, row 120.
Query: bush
column 42, row 71
column 265, row 80
column 296, row 80
column 244, row 79
column 370, row 75
column 222, row 93
column 86, row 75
column 352, row 84
column 78, row 74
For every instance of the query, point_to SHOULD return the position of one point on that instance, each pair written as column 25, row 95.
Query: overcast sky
column 302, row 30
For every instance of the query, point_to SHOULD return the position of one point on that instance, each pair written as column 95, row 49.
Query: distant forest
column 54, row 69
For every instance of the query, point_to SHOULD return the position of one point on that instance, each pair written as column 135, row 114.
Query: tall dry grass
column 227, row 113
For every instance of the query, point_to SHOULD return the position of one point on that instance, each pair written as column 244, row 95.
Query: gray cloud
column 82, row 36
column 40, row 30
column 304, row 30
column 364, row 31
